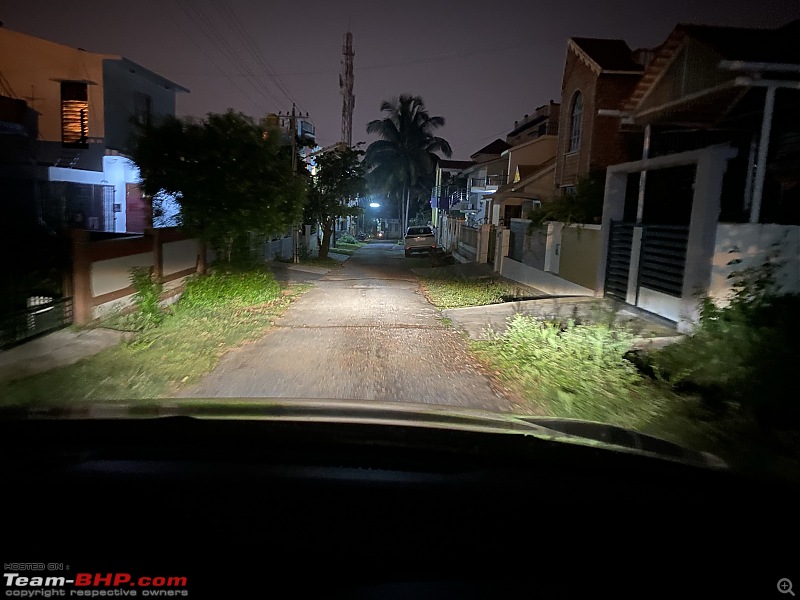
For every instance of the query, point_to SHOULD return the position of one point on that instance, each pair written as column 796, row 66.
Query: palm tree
column 405, row 156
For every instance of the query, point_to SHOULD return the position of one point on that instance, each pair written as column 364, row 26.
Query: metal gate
column 619, row 260
column 43, row 314
column 662, row 261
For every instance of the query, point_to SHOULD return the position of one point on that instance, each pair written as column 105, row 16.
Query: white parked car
column 420, row 239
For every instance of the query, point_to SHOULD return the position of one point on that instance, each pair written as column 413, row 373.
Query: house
column 78, row 174
column 505, row 180
column 584, row 136
column 717, row 188
column 599, row 76
column 486, row 173
column 530, row 168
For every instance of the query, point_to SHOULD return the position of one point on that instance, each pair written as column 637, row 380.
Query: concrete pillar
column 501, row 248
column 552, row 257
column 81, row 277
column 706, row 202
column 633, row 271
column 482, row 251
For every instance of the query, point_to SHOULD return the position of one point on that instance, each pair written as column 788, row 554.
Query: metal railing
column 488, row 181
column 618, row 262
column 42, row 315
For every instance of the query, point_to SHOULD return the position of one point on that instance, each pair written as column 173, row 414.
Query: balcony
column 487, row 184
column 447, row 196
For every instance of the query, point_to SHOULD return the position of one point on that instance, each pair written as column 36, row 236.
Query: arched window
column 575, row 121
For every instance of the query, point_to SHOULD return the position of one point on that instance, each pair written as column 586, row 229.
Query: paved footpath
column 363, row 332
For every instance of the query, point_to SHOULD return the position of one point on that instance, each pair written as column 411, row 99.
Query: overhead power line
column 211, row 59
column 227, row 12
column 212, row 34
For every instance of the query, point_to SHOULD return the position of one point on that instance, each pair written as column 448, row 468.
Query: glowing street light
column 374, row 205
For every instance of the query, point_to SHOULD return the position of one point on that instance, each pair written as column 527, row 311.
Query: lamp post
column 374, row 205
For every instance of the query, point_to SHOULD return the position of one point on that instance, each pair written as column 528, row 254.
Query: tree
column 340, row 177
column 584, row 205
column 231, row 178
column 406, row 156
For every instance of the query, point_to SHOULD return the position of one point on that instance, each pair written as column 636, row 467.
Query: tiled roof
column 496, row 147
column 609, row 55
column 733, row 43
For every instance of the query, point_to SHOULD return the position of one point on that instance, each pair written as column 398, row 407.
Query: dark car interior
column 376, row 511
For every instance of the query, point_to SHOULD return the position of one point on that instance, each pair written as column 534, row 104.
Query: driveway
column 363, row 332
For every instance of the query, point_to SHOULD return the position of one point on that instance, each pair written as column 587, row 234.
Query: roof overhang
column 137, row 68
column 698, row 109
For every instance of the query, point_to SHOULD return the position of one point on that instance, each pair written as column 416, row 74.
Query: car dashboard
column 329, row 509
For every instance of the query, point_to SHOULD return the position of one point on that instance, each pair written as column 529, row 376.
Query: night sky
column 481, row 65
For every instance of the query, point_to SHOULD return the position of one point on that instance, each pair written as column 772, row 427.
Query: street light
column 374, row 205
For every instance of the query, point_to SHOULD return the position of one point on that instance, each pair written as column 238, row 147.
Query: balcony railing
column 446, row 196
column 488, row 182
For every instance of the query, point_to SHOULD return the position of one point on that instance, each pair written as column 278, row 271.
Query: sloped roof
column 496, row 147
column 608, row 55
column 732, row 43
column 455, row 164
column 756, row 45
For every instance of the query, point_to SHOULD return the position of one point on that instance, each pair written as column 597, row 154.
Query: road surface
column 363, row 332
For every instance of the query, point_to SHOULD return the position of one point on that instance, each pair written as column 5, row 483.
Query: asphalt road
column 363, row 332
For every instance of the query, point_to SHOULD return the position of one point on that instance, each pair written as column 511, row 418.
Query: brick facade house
column 599, row 76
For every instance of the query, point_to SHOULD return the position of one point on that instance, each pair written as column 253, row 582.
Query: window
column 74, row 114
column 575, row 121
column 142, row 107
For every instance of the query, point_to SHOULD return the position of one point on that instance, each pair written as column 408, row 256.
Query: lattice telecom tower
column 346, row 87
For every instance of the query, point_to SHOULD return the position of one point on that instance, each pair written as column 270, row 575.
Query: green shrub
column 741, row 358
column 146, row 297
column 346, row 238
column 574, row 371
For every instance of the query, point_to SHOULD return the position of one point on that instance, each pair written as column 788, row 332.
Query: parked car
column 420, row 239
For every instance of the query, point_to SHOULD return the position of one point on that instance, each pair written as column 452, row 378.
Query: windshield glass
column 205, row 212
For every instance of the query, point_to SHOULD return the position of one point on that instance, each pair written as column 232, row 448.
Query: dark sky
column 481, row 65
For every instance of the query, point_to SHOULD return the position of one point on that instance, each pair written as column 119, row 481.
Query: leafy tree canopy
column 340, row 177
column 585, row 205
column 403, row 161
column 230, row 175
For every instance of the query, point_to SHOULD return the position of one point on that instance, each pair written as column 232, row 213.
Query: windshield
column 205, row 212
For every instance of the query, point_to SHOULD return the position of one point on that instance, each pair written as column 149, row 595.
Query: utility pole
column 346, row 80
column 293, row 128
column 295, row 232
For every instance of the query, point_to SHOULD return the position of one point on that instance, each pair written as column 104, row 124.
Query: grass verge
column 580, row 371
column 216, row 313
column 455, row 292
column 349, row 246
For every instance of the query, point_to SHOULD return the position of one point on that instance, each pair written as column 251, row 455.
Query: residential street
column 362, row 332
